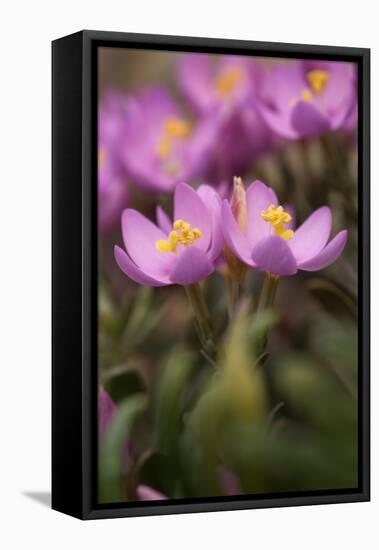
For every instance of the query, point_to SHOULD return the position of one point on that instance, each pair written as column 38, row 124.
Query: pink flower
column 182, row 252
column 226, row 89
column 161, row 145
column 228, row 480
column 147, row 493
column 106, row 411
column 270, row 243
column 112, row 185
column 207, row 85
column 308, row 98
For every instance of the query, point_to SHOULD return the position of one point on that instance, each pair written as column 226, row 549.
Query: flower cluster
column 228, row 114
column 188, row 250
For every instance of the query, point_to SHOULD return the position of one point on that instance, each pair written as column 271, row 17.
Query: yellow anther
column 182, row 234
column 277, row 216
column 181, row 225
column 164, row 147
column 178, row 224
column 307, row 96
column 318, row 79
column 164, row 246
column 174, row 128
column 228, row 80
column 169, row 245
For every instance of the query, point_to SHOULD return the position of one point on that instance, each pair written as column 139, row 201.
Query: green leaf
column 170, row 398
column 236, row 394
column 333, row 298
column 121, row 384
column 142, row 320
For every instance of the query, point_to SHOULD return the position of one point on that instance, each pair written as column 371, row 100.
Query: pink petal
column 291, row 211
column 284, row 84
column 198, row 151
column 272, row 254
column 328, row 255
column 195, row 79
column 229, row 481
column 340, row 90
column 140, row 236
column 312, row 235
column 163, row 220
column 147, row 493
column 307, row 120
column 191, row 267
column 235, row 239
column 278, row 121
column 157, row 104
column 343, row 116
column 133, row 272
column 212, row 201
column 258, row 198
column 189, row 207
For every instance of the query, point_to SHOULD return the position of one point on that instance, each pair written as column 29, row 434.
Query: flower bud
column 238, row 203
column 236, row 268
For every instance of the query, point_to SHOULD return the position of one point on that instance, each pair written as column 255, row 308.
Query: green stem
column 233, row 293
column 266, row 300
column 268, row 292
column 201, row 313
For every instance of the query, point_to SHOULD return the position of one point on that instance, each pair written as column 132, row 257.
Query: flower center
column 174, row 128
column 318, row 80
column 306, row 95
column 277, row 216
column 228, row 81
column 181, row 234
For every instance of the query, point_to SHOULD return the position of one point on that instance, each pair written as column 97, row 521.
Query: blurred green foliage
column 281, row 422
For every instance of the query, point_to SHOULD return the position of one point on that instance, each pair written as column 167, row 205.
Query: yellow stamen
column 177, row 128
column 228, row 80
column 277, row 216
column 182, row 234
column 318, row 79
column 307, row 96
column 174, row 128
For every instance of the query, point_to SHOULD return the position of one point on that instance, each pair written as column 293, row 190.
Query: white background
column 27, row 29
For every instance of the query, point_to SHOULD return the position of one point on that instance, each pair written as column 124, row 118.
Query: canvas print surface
column 227, row 276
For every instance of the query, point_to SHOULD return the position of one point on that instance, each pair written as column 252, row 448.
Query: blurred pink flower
column 229, row 482
column 147, row 493
column 161, row 146
column 307, row 98
column 106, row 410
column 226, row 89
column 207, row 84
column 112, row 186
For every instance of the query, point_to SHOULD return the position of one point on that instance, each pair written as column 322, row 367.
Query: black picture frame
column 74, row 272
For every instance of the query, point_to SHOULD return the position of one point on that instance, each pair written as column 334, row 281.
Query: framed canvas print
column 210, row 274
